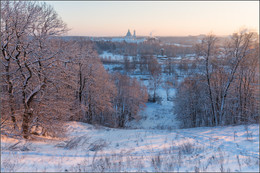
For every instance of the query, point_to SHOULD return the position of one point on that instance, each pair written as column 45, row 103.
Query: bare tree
column 127, row 64
column 168, row 84
column 130, row 99
column 229, row 83
column 99, row 92
column 207, row 50
column 26, row 42
column 190, row 102
column 155, row 71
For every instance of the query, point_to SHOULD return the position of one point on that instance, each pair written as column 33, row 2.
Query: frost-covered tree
column 99, row 91
column 155, row 76
column 127, row 64
column 227, row 88
column 168, row 84
column 190, row 104
column 208, row 51
column 130, row 99
column 28, row 54
column 94, row 88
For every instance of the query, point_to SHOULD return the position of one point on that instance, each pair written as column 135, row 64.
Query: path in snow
column 157, row 115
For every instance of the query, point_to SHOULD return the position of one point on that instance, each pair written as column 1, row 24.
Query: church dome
column 128, row 33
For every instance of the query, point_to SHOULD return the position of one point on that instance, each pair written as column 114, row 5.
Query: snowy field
column 95, row 148
column 114, row 57
column 120, row 58
column 179, row 45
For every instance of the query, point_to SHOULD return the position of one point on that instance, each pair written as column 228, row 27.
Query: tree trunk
column 209, row 86
column 25, row 124
column 154, row 95
column 10, row 94
column 11, row 104
column 89, row 119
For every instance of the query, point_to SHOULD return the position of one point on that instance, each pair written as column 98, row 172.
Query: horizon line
column 147, row 36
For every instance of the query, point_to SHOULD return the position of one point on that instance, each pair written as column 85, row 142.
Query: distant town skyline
column 165, row 18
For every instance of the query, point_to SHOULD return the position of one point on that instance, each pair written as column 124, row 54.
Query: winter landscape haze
column 86, row 92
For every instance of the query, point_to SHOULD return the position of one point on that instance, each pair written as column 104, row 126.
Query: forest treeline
column 143, row 48
column 226, row 89
column 46, row 81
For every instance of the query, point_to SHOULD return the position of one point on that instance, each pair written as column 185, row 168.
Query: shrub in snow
column 98, row 145
column 74, row 142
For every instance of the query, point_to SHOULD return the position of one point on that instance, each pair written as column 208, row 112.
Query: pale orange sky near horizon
column 165, row 18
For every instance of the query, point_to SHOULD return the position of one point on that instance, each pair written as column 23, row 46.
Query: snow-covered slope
column 94, row 148
column 157, row 115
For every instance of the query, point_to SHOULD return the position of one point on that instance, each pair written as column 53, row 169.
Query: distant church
column 129, row 35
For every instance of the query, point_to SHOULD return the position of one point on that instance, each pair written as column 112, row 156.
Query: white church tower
column 128, row 34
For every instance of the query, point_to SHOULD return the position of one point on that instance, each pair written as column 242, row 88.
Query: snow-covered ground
column 120, row 58
column 95, row 148
column 179, row 45
column 114, row 57
column 157, row 115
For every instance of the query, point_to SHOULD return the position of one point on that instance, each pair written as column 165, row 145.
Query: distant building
column 134, row 35
column 129, row 36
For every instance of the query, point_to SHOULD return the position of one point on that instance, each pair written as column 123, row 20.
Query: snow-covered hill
column 95, row 148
